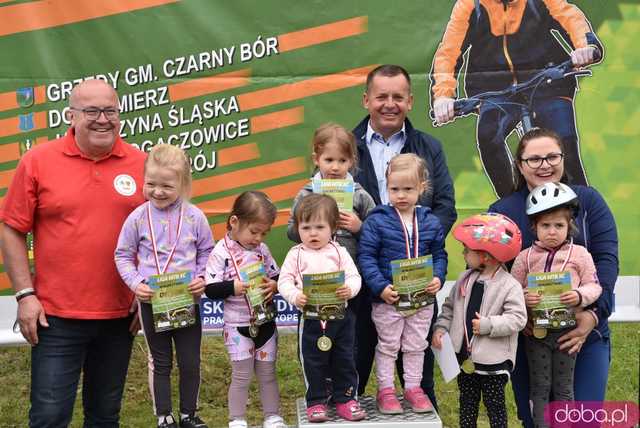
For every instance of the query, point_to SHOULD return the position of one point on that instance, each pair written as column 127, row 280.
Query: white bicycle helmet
column 550, row 195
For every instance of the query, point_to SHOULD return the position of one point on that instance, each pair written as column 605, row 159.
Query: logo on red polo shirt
column 125, row 185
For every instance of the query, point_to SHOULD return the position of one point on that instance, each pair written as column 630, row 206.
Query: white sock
column 183, row 416
column 163, row 418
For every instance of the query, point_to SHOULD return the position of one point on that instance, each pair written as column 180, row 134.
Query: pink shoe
column 317, row 413
column 418, row 400
column 388, row 403
column 350, row 411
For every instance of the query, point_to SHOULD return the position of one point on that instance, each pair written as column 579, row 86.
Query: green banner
column 241, row 86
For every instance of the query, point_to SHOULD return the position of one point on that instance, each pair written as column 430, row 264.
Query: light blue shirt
column 381, row 152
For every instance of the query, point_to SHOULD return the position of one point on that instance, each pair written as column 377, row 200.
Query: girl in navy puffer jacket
column 394, row 233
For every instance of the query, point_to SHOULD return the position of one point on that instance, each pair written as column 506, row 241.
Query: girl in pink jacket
column 250, row 336
column 483, row 314
column 326, row 345
column 550, row 208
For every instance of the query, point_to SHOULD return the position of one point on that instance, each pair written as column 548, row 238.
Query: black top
column 475, row 302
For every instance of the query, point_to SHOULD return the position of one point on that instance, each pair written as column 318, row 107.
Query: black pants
column 336, row 364
column 491, row 388
column 187, row 342
column 367, row 339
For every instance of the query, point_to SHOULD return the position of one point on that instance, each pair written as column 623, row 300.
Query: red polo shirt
column 75, row 207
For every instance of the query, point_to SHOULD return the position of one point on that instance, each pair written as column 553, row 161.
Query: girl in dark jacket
column 391, row 235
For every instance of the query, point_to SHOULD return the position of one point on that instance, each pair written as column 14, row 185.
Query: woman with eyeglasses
column 539, row 159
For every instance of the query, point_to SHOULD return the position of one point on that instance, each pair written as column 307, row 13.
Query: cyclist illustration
column 497, row 44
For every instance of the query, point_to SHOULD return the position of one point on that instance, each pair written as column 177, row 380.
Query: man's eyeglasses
column 93, row 113
column 535, row 162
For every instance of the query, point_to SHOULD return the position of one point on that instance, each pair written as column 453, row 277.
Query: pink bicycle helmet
column 494, row 233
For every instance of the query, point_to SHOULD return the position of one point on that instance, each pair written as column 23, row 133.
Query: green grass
column 137, row 407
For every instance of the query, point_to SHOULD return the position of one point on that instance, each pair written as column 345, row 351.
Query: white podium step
column 374, row 418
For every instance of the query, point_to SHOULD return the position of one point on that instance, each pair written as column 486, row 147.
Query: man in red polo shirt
column 74, row 193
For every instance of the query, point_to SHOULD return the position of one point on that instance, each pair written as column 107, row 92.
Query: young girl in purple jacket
column 167, row 234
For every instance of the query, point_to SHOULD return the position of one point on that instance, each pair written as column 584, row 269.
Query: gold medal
column 324, row 343
column 539, row 333
column 468, row 366
column 253, row 330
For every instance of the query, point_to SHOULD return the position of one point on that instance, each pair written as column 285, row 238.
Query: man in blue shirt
column 384, row 133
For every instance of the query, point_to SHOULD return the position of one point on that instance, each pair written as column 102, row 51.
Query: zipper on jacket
column 505, row 49
column 549, row 262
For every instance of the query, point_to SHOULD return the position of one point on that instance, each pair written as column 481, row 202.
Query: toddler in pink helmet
column 483, row 314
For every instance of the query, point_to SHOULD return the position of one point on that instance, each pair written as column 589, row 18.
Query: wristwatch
column 24, row 293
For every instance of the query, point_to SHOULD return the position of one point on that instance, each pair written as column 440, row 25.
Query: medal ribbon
column 237, row 270
column 153, row 240
column 416, row 234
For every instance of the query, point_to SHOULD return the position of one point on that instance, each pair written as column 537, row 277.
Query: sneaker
column 192, row 421
column 238, row 423
column 418, row 400
column 317, row 413
column 168, row 422
column 387, row 402
column 274, row 421
column 350, row 411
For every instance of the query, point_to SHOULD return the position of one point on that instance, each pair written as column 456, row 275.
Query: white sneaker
column 238, row 423
column 274, row 421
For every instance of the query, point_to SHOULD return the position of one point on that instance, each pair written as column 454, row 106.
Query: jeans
column 592, row 370
column 100, row 349
column 496, row 122
column 520, row 384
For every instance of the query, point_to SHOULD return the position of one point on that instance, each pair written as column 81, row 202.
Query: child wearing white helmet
column 483, row 314
column 551, row 208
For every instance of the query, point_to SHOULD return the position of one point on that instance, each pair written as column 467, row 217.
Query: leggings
column 549, row 370
column 187, row 344
column 242, row 373
column 491, row 388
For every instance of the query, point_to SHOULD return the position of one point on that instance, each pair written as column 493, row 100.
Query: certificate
column 322, row 302
column 262, row 310
column 172, row 303
column 550, row 313
column 410, row 279
column 340, row 190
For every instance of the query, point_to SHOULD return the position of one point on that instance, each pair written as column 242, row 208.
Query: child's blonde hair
column 333, row 133
column 171, row 157
column 317, row 206
column 253, row 206
column 411, row 163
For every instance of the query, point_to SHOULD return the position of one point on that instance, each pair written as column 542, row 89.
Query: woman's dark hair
column 519, row 181
column 317, row 206
column 253, row 207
